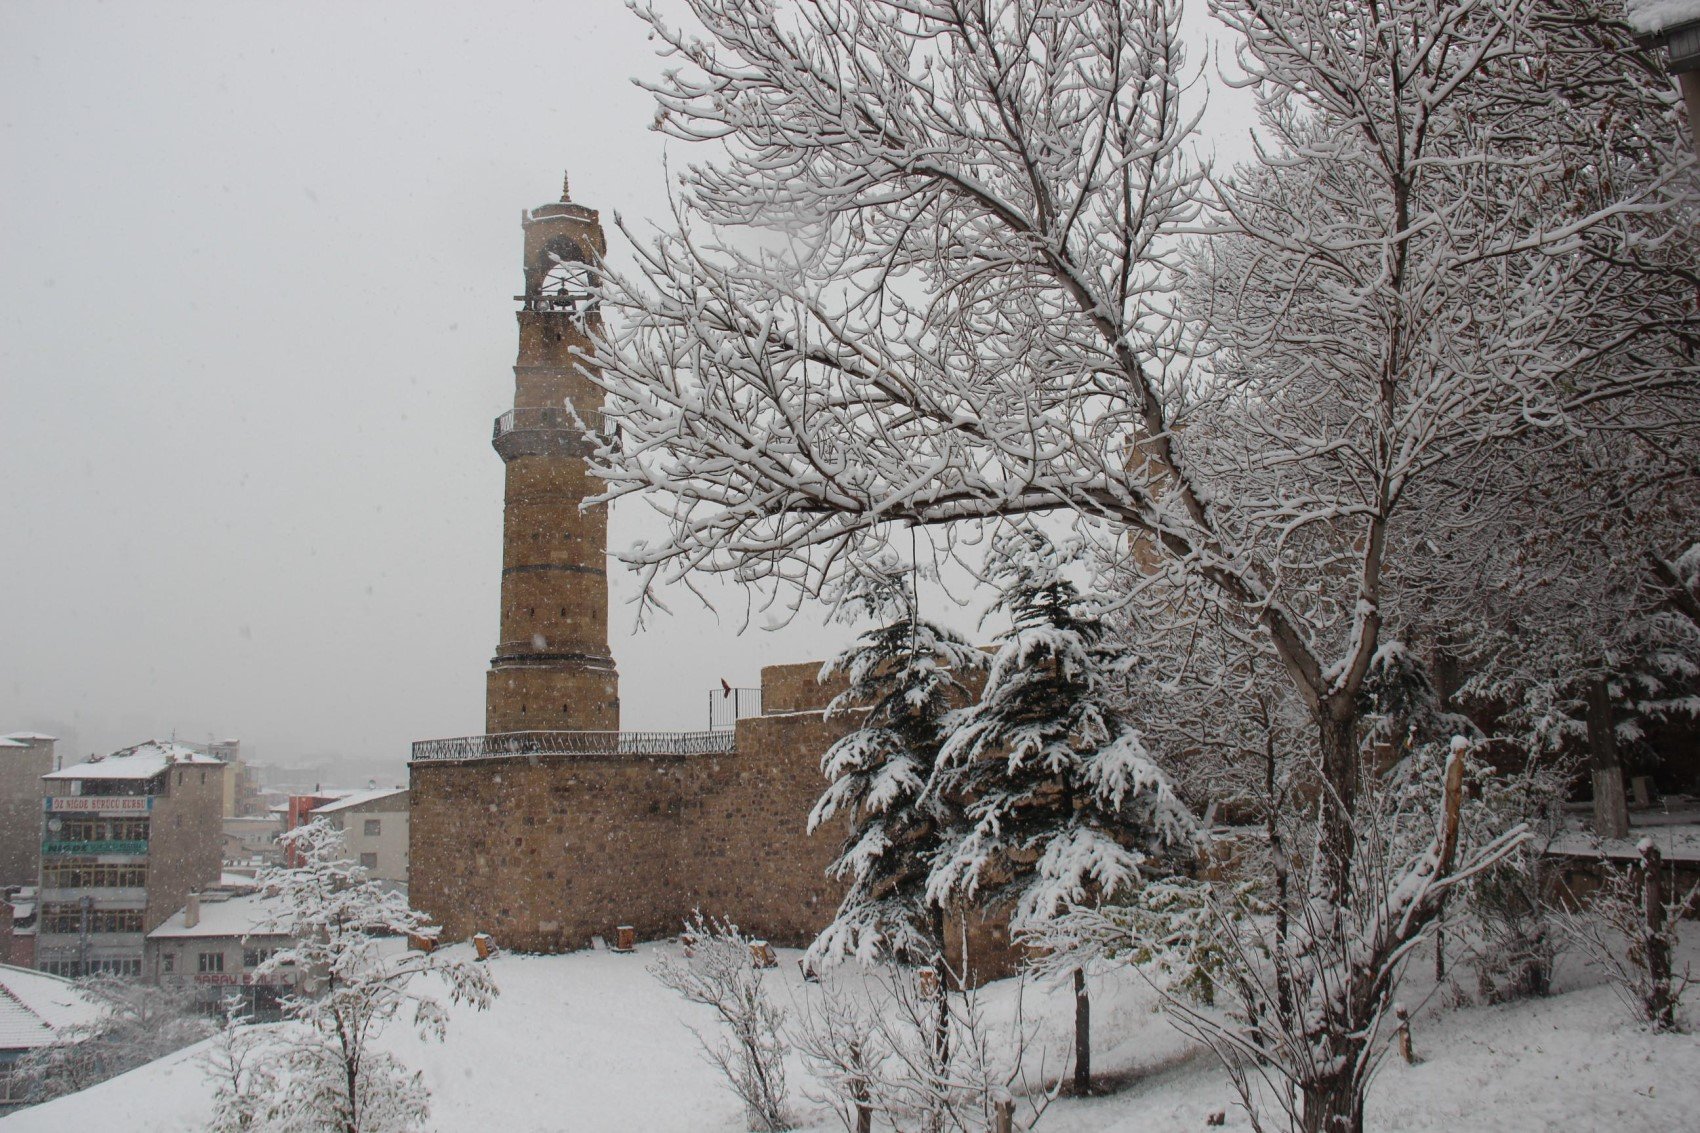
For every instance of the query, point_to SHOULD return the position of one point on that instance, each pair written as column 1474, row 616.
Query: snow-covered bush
column 1629, row 928
column 869, row 1039
column 347, row 934
column 721, row 973
column 1166, row 928
column 239, row 1063
column 137, row 1023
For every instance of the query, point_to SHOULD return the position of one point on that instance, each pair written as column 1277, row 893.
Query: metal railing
column 534, row 417
column 726, row 706
column 509, row 745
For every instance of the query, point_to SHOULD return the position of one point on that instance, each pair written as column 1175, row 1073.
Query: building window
column 254, row 957
column 68, row 919
column 168, row 962
column 374, row 827
column 369, row 861
column 211, row 961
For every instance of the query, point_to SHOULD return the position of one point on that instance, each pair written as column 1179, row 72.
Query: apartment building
column 126, row 838
column 374, row 825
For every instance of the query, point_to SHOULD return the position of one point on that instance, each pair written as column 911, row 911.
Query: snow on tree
column 932, row 276
column 1064, row 805
column 344, row 928
column 903, row 677
column 137, row 1024
column 720, row 972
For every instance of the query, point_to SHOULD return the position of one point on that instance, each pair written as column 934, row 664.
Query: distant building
column 127, row 837
column 374, row 824
column 36, row 1010
column 17, row 927
column 212, row 946
column 250, row 839
column 24, row 758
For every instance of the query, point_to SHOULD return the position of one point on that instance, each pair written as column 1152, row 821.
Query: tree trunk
column 1082, row 1036
column 941, row 971
column 1338, row 743
column 1611, row 808
column 1661, row 1005
column 1332, row 1105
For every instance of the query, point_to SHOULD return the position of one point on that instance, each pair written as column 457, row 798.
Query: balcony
column 520, row 745
column 131, row 848
column 539, row 431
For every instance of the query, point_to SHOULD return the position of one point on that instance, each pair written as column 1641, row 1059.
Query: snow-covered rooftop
column 143, row 761
column 231, row 916
column 28, row 736
column 1648, row 17
column 7, row 741
column 1678, row 841
column 35, row 1006
column 358, row 799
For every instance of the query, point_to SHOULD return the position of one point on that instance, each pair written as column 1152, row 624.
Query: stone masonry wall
column 547, row 852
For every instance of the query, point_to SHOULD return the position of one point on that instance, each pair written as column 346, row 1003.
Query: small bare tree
column 239, row 1063
column 1629, row 929
column 869, row 1039
column 721, row 973
column 336, row 916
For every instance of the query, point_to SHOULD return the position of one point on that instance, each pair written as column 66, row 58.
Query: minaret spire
column 553, row 670
column 566, row 188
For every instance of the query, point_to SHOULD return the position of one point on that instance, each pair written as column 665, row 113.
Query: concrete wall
column 21, row 792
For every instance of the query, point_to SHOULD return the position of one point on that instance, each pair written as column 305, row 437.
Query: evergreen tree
column 1065, row 806
column 906, row 674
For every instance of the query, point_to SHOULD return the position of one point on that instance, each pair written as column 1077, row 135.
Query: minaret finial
column 566, row 189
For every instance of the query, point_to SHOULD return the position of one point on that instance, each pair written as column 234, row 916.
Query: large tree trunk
column 1333, row 1104
column 1611, row 807
column 1082, row 1036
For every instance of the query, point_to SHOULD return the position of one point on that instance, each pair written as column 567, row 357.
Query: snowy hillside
column 590, row 1041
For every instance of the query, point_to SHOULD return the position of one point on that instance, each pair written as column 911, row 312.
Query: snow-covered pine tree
column 1065, row 805
column 906, row 674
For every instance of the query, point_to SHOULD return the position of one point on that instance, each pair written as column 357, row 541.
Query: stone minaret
column 553, row 670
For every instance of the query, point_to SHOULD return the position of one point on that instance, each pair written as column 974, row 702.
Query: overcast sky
column 256, row 274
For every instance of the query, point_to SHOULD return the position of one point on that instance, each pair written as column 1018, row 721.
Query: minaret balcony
column 540, row 431
column 521, row 745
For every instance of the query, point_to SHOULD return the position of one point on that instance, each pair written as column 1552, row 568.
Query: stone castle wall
column 544, row 853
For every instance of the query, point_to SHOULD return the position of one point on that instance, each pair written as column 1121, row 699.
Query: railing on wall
column 509, row 745
column 727, row 705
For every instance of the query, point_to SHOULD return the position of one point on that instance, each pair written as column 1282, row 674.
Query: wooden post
column 1661, row 1006
column 1082, row 1036
column 1004, row 1116
column 1404, row 1034
column 625, row 938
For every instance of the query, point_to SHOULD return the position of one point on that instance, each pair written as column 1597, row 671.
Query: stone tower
column 553, row 670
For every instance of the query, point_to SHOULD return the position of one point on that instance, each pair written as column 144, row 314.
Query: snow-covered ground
column 590, row 1041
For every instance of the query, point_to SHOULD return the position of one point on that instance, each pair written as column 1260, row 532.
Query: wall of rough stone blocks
column 545, row 853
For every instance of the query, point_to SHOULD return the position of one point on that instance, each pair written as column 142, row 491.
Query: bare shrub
column 871, row 1047
column 721, row 973
column 1629, row 929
